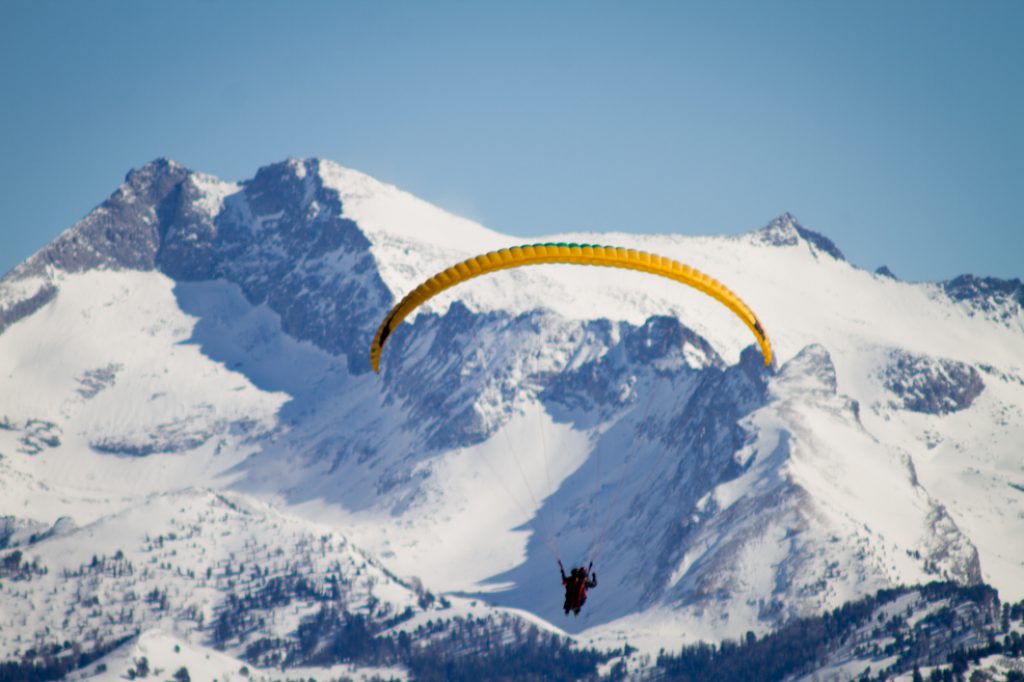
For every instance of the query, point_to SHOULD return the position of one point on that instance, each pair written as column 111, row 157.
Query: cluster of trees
column 241, row 614
column 790, row 650
column 141, row 670
column 472, row 650
column 805, row 644
column 442, row 649
column 53, row 662
column 967, row 627
column 1011, row 645
column 464, row 648
column 115, row 567
column 12, row 566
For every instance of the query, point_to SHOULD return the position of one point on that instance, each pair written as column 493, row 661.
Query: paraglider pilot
column 576, row 585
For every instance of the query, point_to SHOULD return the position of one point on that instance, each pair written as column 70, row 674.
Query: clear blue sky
column 894, row 128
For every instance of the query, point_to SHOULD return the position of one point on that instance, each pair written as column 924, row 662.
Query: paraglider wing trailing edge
column 573, row 254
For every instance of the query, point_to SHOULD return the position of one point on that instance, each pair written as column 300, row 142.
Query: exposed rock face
column 884, row 271
column 125, row 231
column 285, row 241
column 96, row 380
column 662, row 345
column 931, row 385
column 787, row 231
column 35, row 435
column 998, row 299
column 23, row 308
column 281, row 237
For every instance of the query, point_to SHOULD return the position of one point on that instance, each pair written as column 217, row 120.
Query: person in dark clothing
column 576, row 585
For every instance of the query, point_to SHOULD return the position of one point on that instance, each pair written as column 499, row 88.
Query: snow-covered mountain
column 191, row 359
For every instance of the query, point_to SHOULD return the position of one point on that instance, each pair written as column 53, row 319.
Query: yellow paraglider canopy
column 575, row 254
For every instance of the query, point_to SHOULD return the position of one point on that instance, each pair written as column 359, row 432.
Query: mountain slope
column 191, row 333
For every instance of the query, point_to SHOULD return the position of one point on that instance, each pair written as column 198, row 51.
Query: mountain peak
column 292, row 168
column 148, row 184
column 998, row 299
column 123, row 231
column 884, row 271
column 158, row 167
column 786, row 230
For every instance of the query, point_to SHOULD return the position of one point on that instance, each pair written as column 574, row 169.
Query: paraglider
column 576, row 585
column 580, row 579
column 576, row 254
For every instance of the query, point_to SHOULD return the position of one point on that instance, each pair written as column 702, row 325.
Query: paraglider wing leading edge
column 575, row 254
